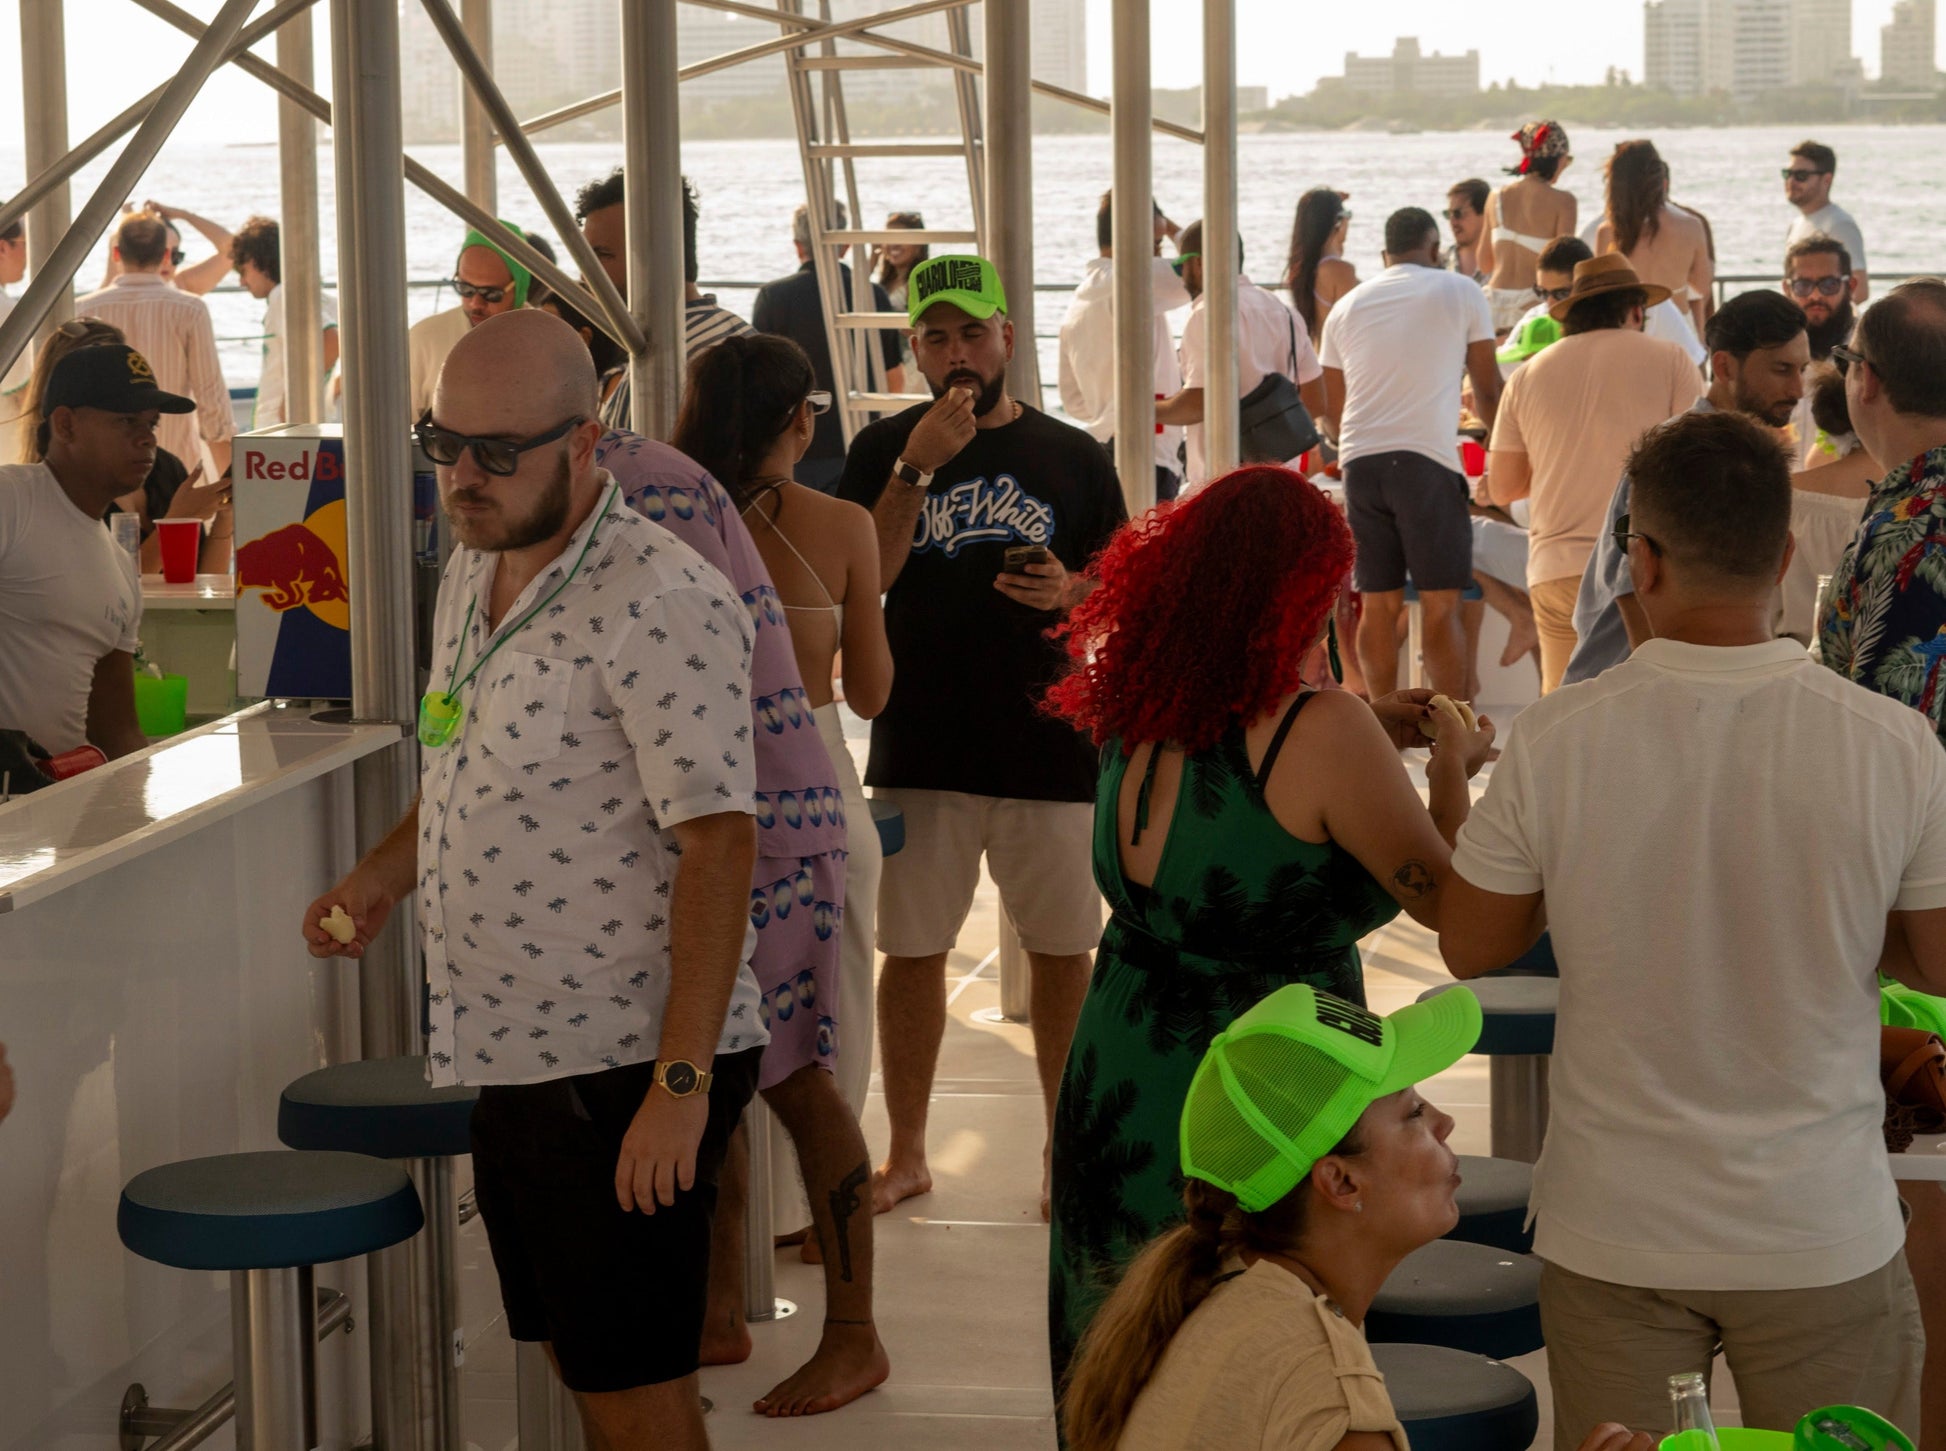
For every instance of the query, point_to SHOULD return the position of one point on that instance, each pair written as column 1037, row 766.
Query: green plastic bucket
column 1731, row 1438
column 162, row 706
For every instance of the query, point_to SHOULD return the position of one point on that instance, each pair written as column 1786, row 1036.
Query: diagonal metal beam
column 56, row 274
column 812, row 30
column 440, row 191
column 79, row 156
column 480, row 81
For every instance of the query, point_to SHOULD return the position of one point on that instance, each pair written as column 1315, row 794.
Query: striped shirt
column 172, row 330
column 704, row 325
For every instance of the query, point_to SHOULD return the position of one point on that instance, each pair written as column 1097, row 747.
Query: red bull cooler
column 293, row 615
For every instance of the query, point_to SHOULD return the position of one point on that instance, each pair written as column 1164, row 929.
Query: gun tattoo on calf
column 845, row 1202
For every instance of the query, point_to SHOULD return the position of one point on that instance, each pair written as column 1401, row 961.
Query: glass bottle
column 1689, row 1407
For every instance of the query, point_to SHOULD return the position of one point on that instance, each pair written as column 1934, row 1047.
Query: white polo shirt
column 1400, row 339
column 1087, row 353
column 1719, row 834
column 1270, row 339
column 546, row 859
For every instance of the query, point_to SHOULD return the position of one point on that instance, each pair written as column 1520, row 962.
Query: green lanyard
column 439, row 710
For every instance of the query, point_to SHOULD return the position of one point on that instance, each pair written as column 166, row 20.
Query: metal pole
column 475, row 128
column 545, row 1415
column 480, row 81
column 760, row 1303
column 366, row 154
column 1134, row 242
column 1010, row 181
column 297, row 232
column 44, row 101
column 652, row 153
column 435, row 1283
column 54, row 268
column 1517, row 1097
column 1220, row 392
column 274, row 1351
column 71, row 159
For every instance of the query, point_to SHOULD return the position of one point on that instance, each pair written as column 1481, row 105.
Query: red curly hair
column 1205, row 612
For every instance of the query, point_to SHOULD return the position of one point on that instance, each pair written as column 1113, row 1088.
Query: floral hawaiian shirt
column 1883, row 621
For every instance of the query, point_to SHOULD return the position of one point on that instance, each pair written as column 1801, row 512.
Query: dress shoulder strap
column 1283, row 734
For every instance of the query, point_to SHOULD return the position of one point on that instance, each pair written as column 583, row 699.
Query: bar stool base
column 998, row 1015
column 780, row 1309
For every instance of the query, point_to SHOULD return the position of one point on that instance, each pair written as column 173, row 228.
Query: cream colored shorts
column 1039, row 853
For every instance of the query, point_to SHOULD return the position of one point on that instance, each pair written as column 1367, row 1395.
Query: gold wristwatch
column 680, row 1078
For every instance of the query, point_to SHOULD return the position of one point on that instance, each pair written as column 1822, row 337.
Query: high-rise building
column 1746, row 48
column 1906, row 55
column 1408, row 68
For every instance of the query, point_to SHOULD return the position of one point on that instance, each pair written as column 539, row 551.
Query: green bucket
column 1730, row 1438
column 1868, row 1427
column 162, row 706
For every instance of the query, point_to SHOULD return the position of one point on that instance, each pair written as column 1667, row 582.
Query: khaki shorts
column 1612, row 1348
column 1039, row 852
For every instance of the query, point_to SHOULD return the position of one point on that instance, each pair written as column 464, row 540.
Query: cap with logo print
column 112, row 377
column 970, row 283
column 1283, row 1085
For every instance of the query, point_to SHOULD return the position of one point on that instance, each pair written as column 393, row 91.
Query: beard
column 1777, row 415
column 495, row 531
column 987, row 392
column 1826, row 335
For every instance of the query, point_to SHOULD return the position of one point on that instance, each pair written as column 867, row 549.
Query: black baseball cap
column 112, row 377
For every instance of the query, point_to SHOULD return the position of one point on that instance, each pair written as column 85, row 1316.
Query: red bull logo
column 294, row 566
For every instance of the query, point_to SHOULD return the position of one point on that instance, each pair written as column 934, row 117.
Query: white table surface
column 206, row 592
column 1925, row 1160
column 74, row 829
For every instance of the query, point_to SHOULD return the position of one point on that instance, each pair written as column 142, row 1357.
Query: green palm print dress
column 1238, row 909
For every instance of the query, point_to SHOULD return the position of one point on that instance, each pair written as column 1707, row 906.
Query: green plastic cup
column 162, row 706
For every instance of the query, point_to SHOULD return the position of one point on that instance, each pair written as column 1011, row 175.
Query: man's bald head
column 520, row 372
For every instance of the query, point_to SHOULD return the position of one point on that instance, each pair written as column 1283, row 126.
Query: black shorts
column 619, row 1295
column 1408, row 517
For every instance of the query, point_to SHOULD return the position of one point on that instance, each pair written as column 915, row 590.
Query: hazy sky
column 1287, row 45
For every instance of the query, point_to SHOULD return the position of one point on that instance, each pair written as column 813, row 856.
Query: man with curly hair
column 256, row 254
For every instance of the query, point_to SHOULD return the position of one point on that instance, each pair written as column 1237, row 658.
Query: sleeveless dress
column 1238, row 909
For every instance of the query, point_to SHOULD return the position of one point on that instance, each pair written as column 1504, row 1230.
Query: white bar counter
column 155, row 998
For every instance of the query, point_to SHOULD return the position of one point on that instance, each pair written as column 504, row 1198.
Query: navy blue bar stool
column 269, row 1219
column 1449, row 1400
column 890, row 822
column 385, row 1107
column 1493, row 1197
column 1517, row 1035
column 1464, row 1296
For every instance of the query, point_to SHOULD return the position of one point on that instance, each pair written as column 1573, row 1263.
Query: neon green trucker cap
column 970, row 283
column 1282, row 1086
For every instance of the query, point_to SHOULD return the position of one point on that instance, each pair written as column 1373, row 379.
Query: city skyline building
column 1906, row 47
column 1410, row 69
column 1747, row 48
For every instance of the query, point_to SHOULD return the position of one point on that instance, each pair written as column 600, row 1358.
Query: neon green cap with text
column 969, row 283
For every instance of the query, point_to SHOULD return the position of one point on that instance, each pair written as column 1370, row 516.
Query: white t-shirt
column 272, row 384
column 1832, row 221
column 1401, row 339
column 1270, row 339
column 68, row 596
column 1087, row 353
column 1719, row 833
column 427, row 342
column 13, row 386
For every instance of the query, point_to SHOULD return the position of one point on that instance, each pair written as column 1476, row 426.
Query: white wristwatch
column 912, row 474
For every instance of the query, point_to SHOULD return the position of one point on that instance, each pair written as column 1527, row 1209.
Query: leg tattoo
column 845, row 1202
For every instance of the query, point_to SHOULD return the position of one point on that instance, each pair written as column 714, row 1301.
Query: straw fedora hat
column 1609, row 272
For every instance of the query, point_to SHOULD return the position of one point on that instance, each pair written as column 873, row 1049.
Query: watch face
column 679, row 1078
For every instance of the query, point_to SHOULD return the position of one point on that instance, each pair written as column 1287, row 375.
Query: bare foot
column 849, row 1361
column 894, row 1183
column 726, row 1340
column 795, row 1237
column 1521, row 638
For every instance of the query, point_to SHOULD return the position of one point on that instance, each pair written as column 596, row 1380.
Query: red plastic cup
column 181, row 540
column 1473, row 458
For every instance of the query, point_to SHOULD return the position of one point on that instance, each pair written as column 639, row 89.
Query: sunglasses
column 1822, row 286
column 176, row 254
column 1177, row 261
column 1622, row 536
column 498, row 456
column 1459, row 214
column 1799, row 173
column 820, row 401
column 492, row 296
column 1553, row 294
column 1844, row 357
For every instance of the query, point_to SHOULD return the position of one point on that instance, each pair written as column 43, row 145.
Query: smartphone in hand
column 1021, row 555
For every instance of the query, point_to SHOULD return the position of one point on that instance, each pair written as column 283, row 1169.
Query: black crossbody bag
column 1274, row 423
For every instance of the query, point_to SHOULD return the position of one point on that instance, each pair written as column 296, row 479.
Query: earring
column 1359, row 1206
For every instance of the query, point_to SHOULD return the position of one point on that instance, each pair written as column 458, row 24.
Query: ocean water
column 1888, row 178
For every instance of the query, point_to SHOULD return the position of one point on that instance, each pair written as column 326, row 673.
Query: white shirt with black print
column 546, row 859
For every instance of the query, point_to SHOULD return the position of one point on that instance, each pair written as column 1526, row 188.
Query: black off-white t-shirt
column 970, row 665
column 68, row 596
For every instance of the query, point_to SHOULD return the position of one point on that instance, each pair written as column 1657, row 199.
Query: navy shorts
column 619, row 1295
column 1408, row 518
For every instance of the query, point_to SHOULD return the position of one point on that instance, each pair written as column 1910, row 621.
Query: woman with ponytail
column 1312, row 1168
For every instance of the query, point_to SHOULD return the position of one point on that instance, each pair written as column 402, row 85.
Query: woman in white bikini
column 1666, row 246
column 1316, row 271
column 1522, row 218
column 822, row 554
